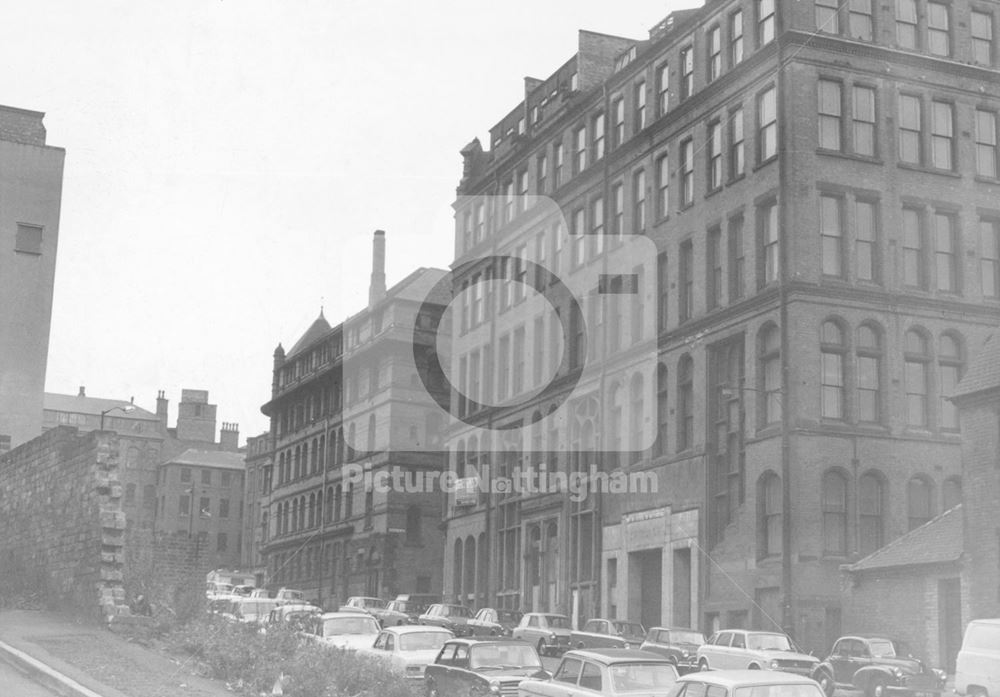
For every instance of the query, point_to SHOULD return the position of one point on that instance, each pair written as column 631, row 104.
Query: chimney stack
column 161, row 407
column 376, row 291
column 229, row 437
column 82, row 392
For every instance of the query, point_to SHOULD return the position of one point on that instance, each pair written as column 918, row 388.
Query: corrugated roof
column 317, row 330
column 94, row 405
column 984, row 371
column 209, row 458
column 937, row 541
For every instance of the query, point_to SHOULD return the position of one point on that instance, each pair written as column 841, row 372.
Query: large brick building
column 328, row 534
column 820, row 180
column 31, row 175
column 258, row 466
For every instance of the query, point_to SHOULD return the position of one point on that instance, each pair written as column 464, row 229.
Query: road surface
column 13, row 682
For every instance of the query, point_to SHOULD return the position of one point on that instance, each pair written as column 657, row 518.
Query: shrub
column 252, row 661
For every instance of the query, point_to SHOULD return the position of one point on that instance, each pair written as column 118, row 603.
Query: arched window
column 328, row 513
column 295, row 515
column 339, row 455
column 371, row 433
column 349, row 501
column 337, row 501
column 832, row 349
column 769, row 515
column 314, row 460
column 297, row 467
column 413, row 533
column 769, row 379
column 685, row 403
column 302, row 513
column 457, row 570
column 834, row 499
column 917, row 359
column 637, row 413
column 312, row 511
column 469, row 580
column 950, row 371
column 869, row 350
column 662, row 409
column 350, row 443
column 331, row 453
column 951, row 493
column 919, row 501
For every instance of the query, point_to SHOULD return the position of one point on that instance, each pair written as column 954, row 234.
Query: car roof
column 496, row 640
column 546, row 614
column 986, row 621
column 737, row 678
column 338, row 615
column 865, row 637
column 616, row 655
column 677, row 629
column 415, row 628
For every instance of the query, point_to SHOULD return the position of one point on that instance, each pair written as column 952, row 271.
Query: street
column 14, row 682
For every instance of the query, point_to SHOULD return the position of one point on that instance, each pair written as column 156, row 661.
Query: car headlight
column 774, row 665
column 898, row 673
column 495, row 687
column 552, row 636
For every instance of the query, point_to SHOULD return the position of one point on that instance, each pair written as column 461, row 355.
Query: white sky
column 227, row 162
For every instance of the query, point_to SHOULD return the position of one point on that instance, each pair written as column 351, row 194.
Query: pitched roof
column 317, row 330
column 94, row 405
column 937, row 541
column 984, row 372
column 209, row 458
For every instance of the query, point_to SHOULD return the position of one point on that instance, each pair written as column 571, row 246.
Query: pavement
column 75, row 659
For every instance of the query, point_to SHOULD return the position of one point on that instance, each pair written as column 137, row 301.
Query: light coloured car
column 742, row 649
column 679, row 645
column 250, row 610
column 605, row 672
column 547, row 631
column 977, row 669
column 363, row 604
column 344, row 630
column 745, row 683
column 408, row 648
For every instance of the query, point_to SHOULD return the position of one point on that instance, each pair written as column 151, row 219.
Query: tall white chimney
column 376, row 291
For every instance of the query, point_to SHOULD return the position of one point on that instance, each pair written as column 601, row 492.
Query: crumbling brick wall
column 61, row 521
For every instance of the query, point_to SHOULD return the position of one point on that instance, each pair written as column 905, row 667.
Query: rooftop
column 984, row 370
column 95, row 406
column 208, row 458
column 938, row 541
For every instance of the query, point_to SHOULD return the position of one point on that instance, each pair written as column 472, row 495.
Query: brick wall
column 61, row 522
column 981, row 473
column 21, row 126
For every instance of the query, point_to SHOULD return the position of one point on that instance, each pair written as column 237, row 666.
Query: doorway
column 949, row 621
column 646, row 587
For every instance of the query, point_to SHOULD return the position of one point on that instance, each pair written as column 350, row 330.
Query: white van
column 977, row 670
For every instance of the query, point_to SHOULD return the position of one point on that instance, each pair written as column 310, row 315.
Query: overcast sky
column 227, row 162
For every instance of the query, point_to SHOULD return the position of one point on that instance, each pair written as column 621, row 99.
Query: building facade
column 201, row 497
column 820, row 182
column 259, row 464
column 327, row 533
column 31, row 175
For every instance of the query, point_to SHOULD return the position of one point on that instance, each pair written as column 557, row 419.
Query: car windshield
column 371, row 602
column 768, row 642
column 882, row 648
column 687, row 638
column 642, row 677
column 509, row 616
column 350, row 625
column 503, row 656
column 794, row 690
column 557, row 621
column 630, row 628
column 423, row 641
column 456, row 611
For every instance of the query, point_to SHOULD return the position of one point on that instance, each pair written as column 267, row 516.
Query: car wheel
column 703, row 665
column 876, row 688
column 753, row 666
column 541, row 647
column 826, row 683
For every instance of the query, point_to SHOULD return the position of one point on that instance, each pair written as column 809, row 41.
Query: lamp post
column 124, row 408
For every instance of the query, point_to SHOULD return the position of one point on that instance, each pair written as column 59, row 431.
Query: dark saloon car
column 677, row 645
column 493, row 622
column 399, row 612
column 454, row 618
column 480, row 667
column 876, row 665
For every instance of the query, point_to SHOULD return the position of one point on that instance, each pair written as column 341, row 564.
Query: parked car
column 493, row 622
column 454, row 618
column 738, row 649
column 677, row 645
column 977, row 670
column 363, row 604
column 344, row 630
column 605, row 672
column 408, row 649
column 250, row 610
column 399, row 612
column 597, row 634
column 480, row 667
column 549, row 632
column 633, row 632
column 294, row 615
column 745, row 683
column 876, row 665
